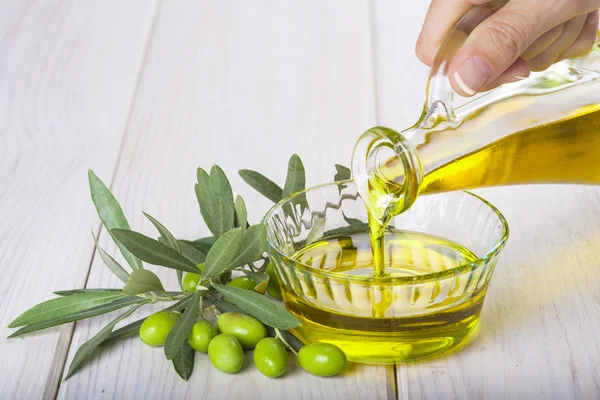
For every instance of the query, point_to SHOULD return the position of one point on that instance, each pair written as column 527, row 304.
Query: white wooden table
column 144, row 91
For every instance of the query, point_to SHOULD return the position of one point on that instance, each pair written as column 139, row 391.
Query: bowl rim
column 459, row 269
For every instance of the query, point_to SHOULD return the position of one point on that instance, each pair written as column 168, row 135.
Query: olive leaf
column 153, row 252
column 77, row 316
column 167, row 237
column 342, row 174
column 262, row 184
column 317, row 230
column 351, row 221
column 223, row 306
column 241, row 214
column 134, row 327
column 73, row 291
column 222, row 201
column 143, row 281
column 88, row 347
column 222, row 253
column 111, row 263
column 204, row 244
column 179, row 272
column 258, row 306
column 189, row 251
column 111, row 215
column 348, row 230
column 261, row 279
column 204, row 197
column 184, row 361
column 182, row 328
column 292, row 340
column 253, row 246
column 63, row 306
column 295, row 180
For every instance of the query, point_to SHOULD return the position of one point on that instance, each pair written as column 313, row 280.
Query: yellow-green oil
column 404, row 321
column 563, row 151
column 563, row 147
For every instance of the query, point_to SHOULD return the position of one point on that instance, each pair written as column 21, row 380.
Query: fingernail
column 520, row 78
column 592, row 17
column 472, row 75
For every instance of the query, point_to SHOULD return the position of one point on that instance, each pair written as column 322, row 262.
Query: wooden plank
column 244, row 85
column 67, row 77
column 400, row 76
column 538, row 334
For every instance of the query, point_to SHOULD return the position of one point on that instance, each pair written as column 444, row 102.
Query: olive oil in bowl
column 399, row 328
column 431, row 295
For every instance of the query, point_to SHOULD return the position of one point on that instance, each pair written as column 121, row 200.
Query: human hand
column 522, row 36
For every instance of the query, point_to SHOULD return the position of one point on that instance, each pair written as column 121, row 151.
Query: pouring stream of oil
column 563, row 151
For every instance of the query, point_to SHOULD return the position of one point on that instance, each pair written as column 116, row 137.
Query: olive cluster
column 191, row 280
column 236, row 332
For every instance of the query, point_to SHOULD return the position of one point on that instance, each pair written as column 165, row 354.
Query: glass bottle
column 543, row 129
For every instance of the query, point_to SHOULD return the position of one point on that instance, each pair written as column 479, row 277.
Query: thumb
column 496, row 43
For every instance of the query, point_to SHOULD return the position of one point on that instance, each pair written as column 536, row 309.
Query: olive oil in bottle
column 545, row 129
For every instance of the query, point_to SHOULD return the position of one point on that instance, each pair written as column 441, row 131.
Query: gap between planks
column 52, row 386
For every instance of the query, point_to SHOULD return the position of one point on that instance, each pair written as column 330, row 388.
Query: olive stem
column 286, row 344
column 262, row 268
column 213, row 309
column 155, row 298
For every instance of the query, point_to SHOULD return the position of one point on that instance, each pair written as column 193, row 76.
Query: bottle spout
column 439, row 112
column 387, row 172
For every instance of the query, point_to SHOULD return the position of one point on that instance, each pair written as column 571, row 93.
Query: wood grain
column 67, row 76
column 243, row 85
column 538, row 334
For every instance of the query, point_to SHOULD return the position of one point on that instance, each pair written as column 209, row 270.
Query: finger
column 571, row 31
column 519, row 70
column 497, row 43
column 586, row 39
column 543, row 42
column 441, row 16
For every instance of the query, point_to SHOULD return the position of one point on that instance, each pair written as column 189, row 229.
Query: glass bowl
column 419, row 311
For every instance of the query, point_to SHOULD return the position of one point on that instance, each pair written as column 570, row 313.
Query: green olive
column 273, row 289
column 191, row 280
column 271, row 357
column 242, row 282
column 226, row 353
column 271, row 271
column 322, row 359
column 201, row 335
column 156, row 327
column 248, row 330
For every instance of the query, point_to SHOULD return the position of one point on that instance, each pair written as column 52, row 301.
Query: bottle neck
column 387, row 173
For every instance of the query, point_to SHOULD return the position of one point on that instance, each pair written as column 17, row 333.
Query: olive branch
column 235, row 246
